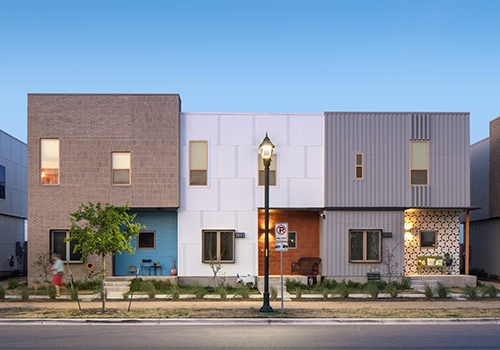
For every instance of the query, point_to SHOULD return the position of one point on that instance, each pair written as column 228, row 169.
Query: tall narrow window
column 272, row 171
column 121, row 168
column 359, row 165
column 365, row 245
column 64, row 249
column 218, row 246
column 292, row 240
column 418, row 163
column 49, row 154
column 2, row 182
column 198, row 163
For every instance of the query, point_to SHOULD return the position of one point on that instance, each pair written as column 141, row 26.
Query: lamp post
column 266, row 151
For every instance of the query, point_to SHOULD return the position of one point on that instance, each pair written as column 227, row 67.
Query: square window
column 218, row 246
column 198, row 163
column 49, row 161
column 146, row 240
column 59, row 246
column 428, row 239
column 365, row 245
column 272, row 171
column 120, row 162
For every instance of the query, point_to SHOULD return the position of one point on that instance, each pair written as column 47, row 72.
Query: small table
column 155, row 269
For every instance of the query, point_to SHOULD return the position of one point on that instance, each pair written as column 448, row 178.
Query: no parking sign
column 281, row 232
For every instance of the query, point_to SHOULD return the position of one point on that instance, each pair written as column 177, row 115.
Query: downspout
column 467, row 242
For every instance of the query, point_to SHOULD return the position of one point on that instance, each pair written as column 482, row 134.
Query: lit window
column 198, row 163
column 121, row 168
column 359, row 165
column 146, row 240
column 292, row 240
column 418, row 163
column 218, row 246
column 2, row 182
column 427, row 239
column 59, row 246
column 49, row 154
column 365, row 245
column 272, row 171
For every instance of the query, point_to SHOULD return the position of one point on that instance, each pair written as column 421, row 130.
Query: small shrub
column 163, row 285
column 174, row 292
column 372, row 289
column 405, row 283
column 330, row 284
column 342, row 290
column 125, row 296
column 394, row 292
column 298, row 294
column 293, row 285
column 12, row 283
column 243, row 290
column 199, row 291
column 490, row 290
column 469, row 292
column 478, row 272
column 52, row 292
column 442, row 291
column 150, row 289
column 2, row 292
column 74, row 294
column 24, row 293
column 325, row 293
column 428, row 291
column 353, row 285
column 274, row 293
column 493, row 276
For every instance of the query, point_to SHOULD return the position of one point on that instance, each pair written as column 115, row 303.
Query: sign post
column 281, row 245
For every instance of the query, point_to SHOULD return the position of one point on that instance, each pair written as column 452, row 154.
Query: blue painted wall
column 165, row 225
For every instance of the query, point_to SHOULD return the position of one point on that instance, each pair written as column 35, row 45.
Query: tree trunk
column 103, row 291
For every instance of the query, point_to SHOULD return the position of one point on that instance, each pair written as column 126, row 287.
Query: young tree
column 103, row 231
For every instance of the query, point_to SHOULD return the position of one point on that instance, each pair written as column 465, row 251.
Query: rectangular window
column 218, row 246
column 292, row 240
column 121, row 168
column 49, row 161
column 427, row 239
column 365, row 245
column 59, row 246
column 198, row 163
column 272, row 171
column 359, row 165
column 2, row 182
column 418, row 163
column 146, row 240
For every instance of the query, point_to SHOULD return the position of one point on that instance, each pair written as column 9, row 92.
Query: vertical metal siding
column 480, row 179
column 334, row 251
column 484, row 243
column 420, row 127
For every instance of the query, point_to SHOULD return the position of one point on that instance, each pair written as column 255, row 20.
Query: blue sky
column 257, row 56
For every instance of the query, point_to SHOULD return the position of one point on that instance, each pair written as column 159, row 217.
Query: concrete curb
column 252, row 321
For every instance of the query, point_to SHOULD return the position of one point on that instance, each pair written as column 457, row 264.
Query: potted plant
column 173, row 270
column 447, row 259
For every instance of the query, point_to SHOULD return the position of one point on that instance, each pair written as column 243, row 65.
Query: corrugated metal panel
column 384, row 139
column 480, row 179
column 420, row 196
column 334, row 251
column 484, row 245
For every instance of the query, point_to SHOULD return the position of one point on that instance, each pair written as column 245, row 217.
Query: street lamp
column 266, row 151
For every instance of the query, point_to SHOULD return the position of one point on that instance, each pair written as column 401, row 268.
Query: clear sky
column 257, row 56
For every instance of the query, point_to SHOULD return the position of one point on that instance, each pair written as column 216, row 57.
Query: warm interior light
column 408, row 236
column 407, row 226
column 43, row 173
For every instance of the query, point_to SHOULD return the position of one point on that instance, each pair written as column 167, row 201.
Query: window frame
column 290, row 233
column 154, row 240
column 3, row 184
column 274, row 160
column 365, row 260
column 198, row 169
column 435, row 239
column 58, row 163
column 420, row 169
column 358, row 166
column 64, row 257
column 219, row 231
column 129, row 168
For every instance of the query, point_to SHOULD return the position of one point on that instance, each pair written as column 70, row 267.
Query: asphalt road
column 342, row 336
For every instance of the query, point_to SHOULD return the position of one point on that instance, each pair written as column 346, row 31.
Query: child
column 58, row 271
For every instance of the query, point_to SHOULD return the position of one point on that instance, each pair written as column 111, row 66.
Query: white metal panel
column 306, row 130
column 236, row 130
column 292, row 162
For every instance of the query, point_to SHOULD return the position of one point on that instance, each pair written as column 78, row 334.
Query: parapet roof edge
column 248, row 113
column 404, row 112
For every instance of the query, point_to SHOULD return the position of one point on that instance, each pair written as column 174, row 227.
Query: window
column 2, row 182
column 427, row 239
column 359, row 165
column 365, row 245
column 198, row 163
column 418, row 163
column 272, row 171
column 121, row 168
column 292, row 240
column 146, row 240
column 218, row 246
column 49, row 154
column 59, row 246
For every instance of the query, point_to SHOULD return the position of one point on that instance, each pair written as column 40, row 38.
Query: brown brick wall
column 306, row 223
column 90, row 127
column 494, row 168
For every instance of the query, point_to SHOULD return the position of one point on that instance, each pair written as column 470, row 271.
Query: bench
column 430, row 262
column 307, row 265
